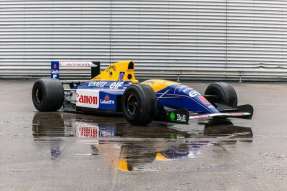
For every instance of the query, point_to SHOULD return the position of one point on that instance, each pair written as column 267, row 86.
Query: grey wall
column 198, row 39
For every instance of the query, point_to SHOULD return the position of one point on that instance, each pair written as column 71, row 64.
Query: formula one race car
column 116, row 90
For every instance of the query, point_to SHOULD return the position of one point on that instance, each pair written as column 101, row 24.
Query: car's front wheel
column 47, row 95
column 139, row 104
column 222, row 93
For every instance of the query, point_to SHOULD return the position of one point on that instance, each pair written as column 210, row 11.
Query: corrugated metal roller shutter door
column 198, row 39
column 32, row 33
column 168, row 37
column 257, row 37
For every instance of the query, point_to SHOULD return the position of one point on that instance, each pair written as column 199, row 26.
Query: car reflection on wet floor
column 129, row 148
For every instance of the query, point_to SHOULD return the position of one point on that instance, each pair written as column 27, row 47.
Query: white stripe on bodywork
column 210, row 116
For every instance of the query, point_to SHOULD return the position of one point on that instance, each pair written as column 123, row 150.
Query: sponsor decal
column 172, row 116
column 186, row 89
column 98, row 84
column 88, row 132
column 122, row 74
column 55, row 74
column 116, row 85
column 182, row 88
column 178, row 117
column 75, row 64
column 93, row 130
column 107, row 100
column 87, row 98
column 55, row 70
column 181, row 117
column 106, row 84
column 193, row 93
column 107, row 132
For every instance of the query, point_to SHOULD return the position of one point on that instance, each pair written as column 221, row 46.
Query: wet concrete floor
column 61, row 151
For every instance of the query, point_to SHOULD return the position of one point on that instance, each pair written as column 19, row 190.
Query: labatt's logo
column 88, row 99
column 107, row 100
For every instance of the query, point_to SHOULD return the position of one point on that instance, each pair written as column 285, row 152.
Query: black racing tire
column 48, row 95
column 139, row 104
column 222, row 93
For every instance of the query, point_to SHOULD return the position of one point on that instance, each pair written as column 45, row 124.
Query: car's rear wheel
column 139, row 104
column 47, row 95
column 222, row 93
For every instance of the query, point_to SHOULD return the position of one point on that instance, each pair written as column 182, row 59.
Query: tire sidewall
column 224, row 92
column 138, row 96
column 52, row 95
column 146, row 104
column 40, row 86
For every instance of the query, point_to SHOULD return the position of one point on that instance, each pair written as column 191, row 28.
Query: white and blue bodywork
column 116, row 90
column 105, row 96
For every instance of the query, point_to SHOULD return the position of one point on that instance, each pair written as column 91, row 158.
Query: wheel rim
column 132, row 104
column 38, row 96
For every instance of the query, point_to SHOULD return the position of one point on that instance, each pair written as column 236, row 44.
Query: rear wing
column 67, row 69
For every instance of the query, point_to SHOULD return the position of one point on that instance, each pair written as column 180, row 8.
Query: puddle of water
column 129, row 148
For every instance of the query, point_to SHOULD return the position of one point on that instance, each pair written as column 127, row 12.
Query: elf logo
column 88, row 99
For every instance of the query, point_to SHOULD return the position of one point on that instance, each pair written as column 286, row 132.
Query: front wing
column 183, row 116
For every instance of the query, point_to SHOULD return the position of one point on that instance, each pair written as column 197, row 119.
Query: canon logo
column 88, row 99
